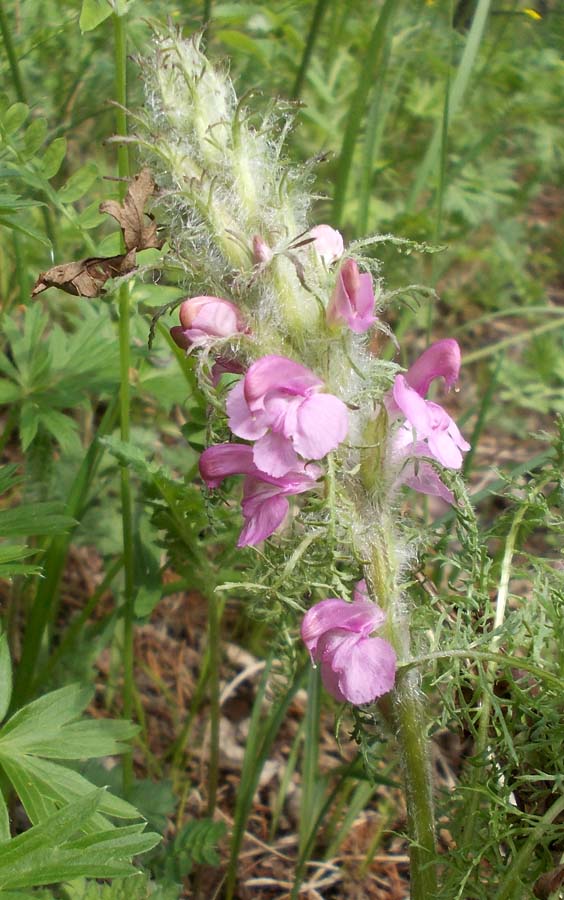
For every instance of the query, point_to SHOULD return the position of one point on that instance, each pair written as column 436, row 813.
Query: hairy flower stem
column 409, row 718
column 120, row 55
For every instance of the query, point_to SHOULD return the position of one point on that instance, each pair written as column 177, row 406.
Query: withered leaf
column 86, row 277
column 549, row 883
column 138, row 233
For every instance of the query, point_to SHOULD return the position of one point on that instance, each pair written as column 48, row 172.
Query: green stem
column 412, row 735
column 320, row 9
column 214, row 621
column 128, row 612
column 11, row 54
column 367, row 76
column 410, row 719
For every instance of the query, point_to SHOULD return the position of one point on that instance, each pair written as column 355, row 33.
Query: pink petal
column 361, row 591
column 222, row 460
column 444, row 450
column 413, row 407
column 440, row 360
column 360, row 617
column 323, row 422
column 340, row 310
column 263, row 520
column 367, row 670
column 363, row 316
column 180, row 337
column 219, row 320
column 213, row 313
column 281, row 411
column 276, row 373
column 331, row 681
column 328, row 243
column 224, row 366
column 422, row 477
column 274, row 454
column 242, row 421
column 455, row 434
column 261, row 251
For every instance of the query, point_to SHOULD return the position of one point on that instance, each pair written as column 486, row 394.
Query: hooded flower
column 352, row 302
column 202, row 319
column 354, row 666
column 279, row 405
column 264, row 498
column 427, row 430
column 328, row 243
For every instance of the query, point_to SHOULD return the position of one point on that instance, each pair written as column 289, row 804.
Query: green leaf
column 55, row 785
column 91, row 217
column 11, row 202
column 14, row 117
column 59, row 828
column 4, row 821
column 33, row 137
column 47, row 853
column 53, row 157
column 8, row 392
column 93, row 13
column 5, row 677
column 9, row 477
column 24, row 229
column 87, row 738
column 63, row 428
column 29, row 423
column 53, row 710
column 79, row 183
column 39, row 518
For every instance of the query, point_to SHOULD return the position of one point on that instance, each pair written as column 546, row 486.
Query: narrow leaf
column 5, row 676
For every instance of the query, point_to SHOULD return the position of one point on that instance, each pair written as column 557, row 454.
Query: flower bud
column 328, row 243
column 203, row 319
column 352, row 302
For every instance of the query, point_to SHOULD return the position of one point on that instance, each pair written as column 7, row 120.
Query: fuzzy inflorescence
column 281, row 316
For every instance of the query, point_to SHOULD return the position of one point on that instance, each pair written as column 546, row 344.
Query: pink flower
column 261, row 251
column 428, row 430
column 352, row 302
column 354, row 666
column 264, row 498
column 328, row 242
column 205, row 318
column 278, row 405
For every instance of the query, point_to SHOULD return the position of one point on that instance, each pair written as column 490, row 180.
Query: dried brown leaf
column 138, row 233
column 549, row 883
column 86, row 277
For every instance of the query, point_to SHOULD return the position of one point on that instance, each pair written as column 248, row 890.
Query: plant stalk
column 120, row 56
column 11, row 54
column 410, row 719
column 318, row 14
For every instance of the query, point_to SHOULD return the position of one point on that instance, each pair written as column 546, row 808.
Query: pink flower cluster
column 354, row 666
column 278, row 405
column 282, row 408
column 425, row 428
